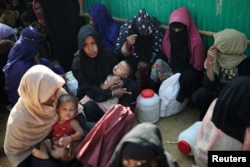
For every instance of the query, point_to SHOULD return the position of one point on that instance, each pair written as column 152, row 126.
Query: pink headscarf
column 197, row 51
column 39, row 16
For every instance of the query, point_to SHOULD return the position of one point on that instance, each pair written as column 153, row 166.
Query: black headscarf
column 232, row 110
column 92, row 67
column 90, row 72
column 144, row 135
column 180, row 53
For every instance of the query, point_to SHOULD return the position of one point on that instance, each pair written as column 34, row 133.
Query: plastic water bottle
column 148, row 105
column 186, row 139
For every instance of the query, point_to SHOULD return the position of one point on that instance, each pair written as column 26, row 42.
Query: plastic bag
column 71, row 84
column 168, row 92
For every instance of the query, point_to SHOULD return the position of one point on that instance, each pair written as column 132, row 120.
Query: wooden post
column 202, row 32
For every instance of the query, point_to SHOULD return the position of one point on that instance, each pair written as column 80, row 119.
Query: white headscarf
column 6, row 31
column 30, row 121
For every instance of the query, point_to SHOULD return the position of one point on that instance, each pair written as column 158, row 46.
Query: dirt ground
column 170, row 128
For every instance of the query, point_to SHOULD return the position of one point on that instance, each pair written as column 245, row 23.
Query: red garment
column 60, row 130
column 97, row 147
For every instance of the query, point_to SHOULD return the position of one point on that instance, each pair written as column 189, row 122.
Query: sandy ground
column 170, row 128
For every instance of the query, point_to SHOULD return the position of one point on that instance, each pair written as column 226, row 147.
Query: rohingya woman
column 185, row 53
column 63, row 19
column 90, row 68
column 41, row 25
column 226, row 125
column 142, row 146
column 23, row 55
column 225, row 61
column 141, row 39
column 31, row 119
column 7, row 40
column 103, row 22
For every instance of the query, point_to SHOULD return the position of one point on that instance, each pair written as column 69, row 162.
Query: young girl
column 65, row 132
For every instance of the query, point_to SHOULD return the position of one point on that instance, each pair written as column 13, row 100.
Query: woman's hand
column 118, row 84
column 246, row 145
column 119, row 92
column 211, row 53
column 131, row 39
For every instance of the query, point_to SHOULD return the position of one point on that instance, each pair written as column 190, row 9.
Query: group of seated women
column 108, row 65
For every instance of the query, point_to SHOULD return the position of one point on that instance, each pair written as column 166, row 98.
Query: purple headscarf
column 104, row 24
column 21, row 58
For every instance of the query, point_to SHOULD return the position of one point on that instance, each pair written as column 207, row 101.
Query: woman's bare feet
column 42, row 152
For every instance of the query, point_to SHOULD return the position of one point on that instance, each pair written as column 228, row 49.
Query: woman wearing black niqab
column 226, row 125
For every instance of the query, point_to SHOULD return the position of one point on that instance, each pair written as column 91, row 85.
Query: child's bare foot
column 41, row 153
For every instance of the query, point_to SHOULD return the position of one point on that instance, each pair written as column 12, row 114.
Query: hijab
column 149, row 37
column 6, row 31
column 144, row 26
column 30, row 121
column 39, row 16
column 145, row 135
column 20, row 59
column 231, row 112
column 139, row 152
column 105, row 25
column 89, row 65
column 231, row 45
column 195, row 52
column 25, row 48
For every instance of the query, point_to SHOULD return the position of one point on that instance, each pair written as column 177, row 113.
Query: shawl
column 6, row 31
column 231, row 45
column 143, row 25
column 30, row 121
column 196, row 47
column 39, row 15
column 144, row 134
column 105, row 25
column 231, row 112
